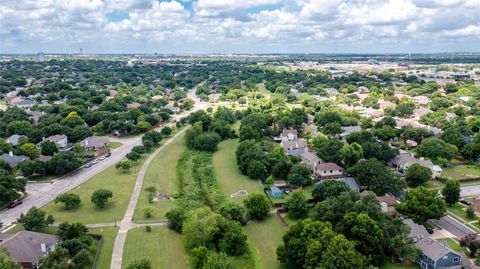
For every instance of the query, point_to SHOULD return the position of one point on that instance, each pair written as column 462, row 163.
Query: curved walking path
column 127, row 223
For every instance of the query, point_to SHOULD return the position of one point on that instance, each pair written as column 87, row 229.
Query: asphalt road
column 39, row 194
column 453, row 226
column 470, row 191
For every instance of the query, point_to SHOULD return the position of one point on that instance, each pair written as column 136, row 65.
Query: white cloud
column 27, row 24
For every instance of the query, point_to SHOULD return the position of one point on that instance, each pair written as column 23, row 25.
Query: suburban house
column 289, row 135
column 133, row 105
column 27, row 248
column 420, row 112
column 349, row 129
column 94, row 143
column 35, row 115
column 174, row 109
column 403, row 160
column 294, row 147
column 434, row 255
column 60, row 140
column 13, row 160
column 14, row 139
column 386, row 104
column 329, row 171
column 311, row 159
column 421, row 100
column 387, row 203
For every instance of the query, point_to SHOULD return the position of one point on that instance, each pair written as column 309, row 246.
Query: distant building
column 14, row 139
column 27, row 248
column 421, row 100
column 387, row 203
column 349, row 129
column 60, row 140
column 41, row 57
column 311, row 159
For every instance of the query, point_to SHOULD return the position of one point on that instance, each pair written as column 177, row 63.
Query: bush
column 148, row 212
column 258, row 206
column 100, row 197
column 148, row 228
column 207, row 141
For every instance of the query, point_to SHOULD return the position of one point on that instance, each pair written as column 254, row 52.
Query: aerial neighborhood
column 153, row 161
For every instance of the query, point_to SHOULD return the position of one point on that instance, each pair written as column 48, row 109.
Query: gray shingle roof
column 25, row 246
column 13, row 160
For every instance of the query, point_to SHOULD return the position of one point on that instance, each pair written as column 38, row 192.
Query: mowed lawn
column 162, row 245
column 462, row 172
column 162, row 174
column 109, row 235
column 266, row 236
column 121, row 184
column 228, row 175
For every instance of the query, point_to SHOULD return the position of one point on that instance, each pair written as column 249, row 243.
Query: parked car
column 94, row 161
column 108, row 154
column 101, row 158
column 465, row 202
column 88, row 165
column 15, row 203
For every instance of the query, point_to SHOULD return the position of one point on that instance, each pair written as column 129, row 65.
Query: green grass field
column 161, row 173
column 462, row 172
column 266, row 236
column 114, row 145
column 121, row 184
column 228, row 175
column 453, row 244
column 460, row 211
column 109, row 235
column 162, row 245
column 389, row 265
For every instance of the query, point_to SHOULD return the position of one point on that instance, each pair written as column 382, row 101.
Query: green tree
column 422, row 204
column 297, row 205
column 166, row 131
column 30, row 150
column 454, row 136
column 133, row 156
column 234, row 241
column 35, row 219
column 7, row 263
column 124, row 165
column 257, row 170
column 376, row 176
column 63, row 162
column 140, row 263
column 351, row 154
column 435, row 148
column 10, row 187
column 148, row 212
column 72, row 230
column 77, row 148
column 386, row 132
column 366, row 234
column 19, row 127
column 175, row 218
column 200, row 228
column 341, row 253
column 417, row 175
column 332, row 129
column 258, row 206
column 207, row 141
column 330, row 152
column 451, row 191
column 329, row 188
column 100, row 197
column 234, row 211
column 151, row 191
column 70, row 200
column 49, row 148
column 143, row 126
column 300, row 174
column 29, row 168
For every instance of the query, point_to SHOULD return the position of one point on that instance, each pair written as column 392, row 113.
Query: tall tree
column 422, row 204
column 451, row 191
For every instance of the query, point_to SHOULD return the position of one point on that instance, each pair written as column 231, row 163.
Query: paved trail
column 127, row 223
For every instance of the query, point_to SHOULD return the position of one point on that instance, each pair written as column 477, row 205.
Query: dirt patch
column 240, row 193
column 162, row 197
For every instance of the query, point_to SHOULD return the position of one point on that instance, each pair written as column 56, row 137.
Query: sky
column 239, row 26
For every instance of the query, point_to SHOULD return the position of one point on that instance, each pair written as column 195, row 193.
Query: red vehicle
column 15, row 203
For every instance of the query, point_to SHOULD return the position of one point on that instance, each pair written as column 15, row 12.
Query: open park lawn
column 462, row 172
column 121, row 184
column 109, row 235
column 266, row 236
column 162, row 245
column 162, row 174
column 114, row 145
column 228, row 175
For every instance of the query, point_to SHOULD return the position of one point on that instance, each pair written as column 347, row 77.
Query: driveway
column 453, row 226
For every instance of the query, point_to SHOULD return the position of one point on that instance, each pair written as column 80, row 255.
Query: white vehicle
column 95, row 161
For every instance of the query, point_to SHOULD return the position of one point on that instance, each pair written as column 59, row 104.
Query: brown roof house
column 311, row 159
column 387, row 203
column 94, row 143
column 27, row 248
column 329, row 171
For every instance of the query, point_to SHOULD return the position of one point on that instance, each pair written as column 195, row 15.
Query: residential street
column 470, row 191
column 39, row 194
column 453, row 226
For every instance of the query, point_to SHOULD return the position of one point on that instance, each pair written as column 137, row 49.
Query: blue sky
column 233, row 26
